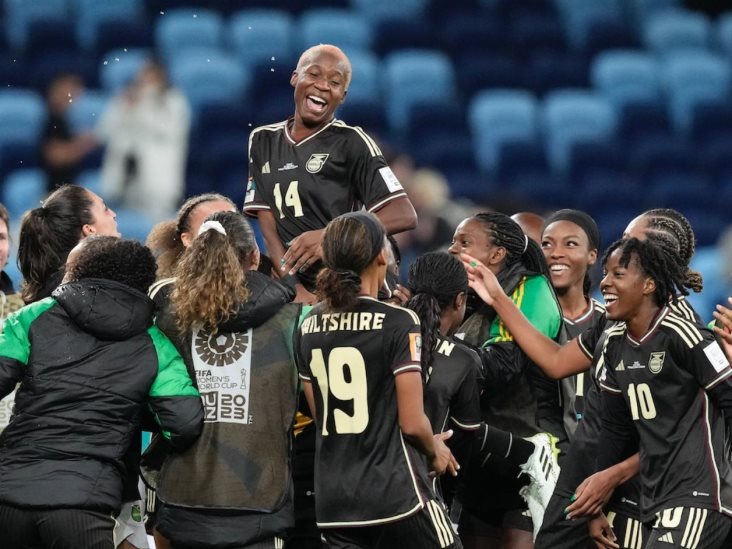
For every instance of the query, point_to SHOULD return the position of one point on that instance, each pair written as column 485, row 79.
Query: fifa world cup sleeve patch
column 415, row 347
column 716, row 356
column 392, row 183
column 249, row 197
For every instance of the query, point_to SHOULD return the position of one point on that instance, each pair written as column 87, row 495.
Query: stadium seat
column 16, row 156
column 580, row 16
column 480, row 33
column 341, row 27
column 497, row 117
column 593, row 161
column 258, row 35
column 571, row 116
column 612, row 34
column 432, row 121
column 376, row 10
column 711, row 122
column 20, row 14
column 624, row 76
column 23, row 190
column 664, row 162
column 531, row 33
column 22, row 113
column 691, row 78
column 398, row 34
column 49, row 35
column 412, row 76
column 642, row 10
column 208, row 76
column 672, row 30
column 85, row 112
column 182, row 29
column 518, row 159
column 369, row 115
column 552, row 70
column 121, row 67
column 724, row 34
column 643, row 122
column 480, row 71
column 365, row 81
column 117, row 34
column 90, row 14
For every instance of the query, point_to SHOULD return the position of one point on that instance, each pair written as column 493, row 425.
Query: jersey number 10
column 332, row 380
column 641, row 401
column 292, row 199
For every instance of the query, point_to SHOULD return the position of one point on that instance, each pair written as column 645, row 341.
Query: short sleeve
column 376, row 183
column 589, row 339
column 302, row 369
column 253, row 201
column 465, row 407
column 406, row 344
column 606, row 376
column 700, row 354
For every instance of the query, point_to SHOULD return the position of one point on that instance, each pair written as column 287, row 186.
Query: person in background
column 61, row 150
column 530, row 223
column 48, row 233
column 145, row 129
column 82, row 398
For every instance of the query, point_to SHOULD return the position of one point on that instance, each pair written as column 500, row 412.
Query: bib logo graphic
column 656, row 362
column 136, row 513
column 315, row 162
column 220, row 349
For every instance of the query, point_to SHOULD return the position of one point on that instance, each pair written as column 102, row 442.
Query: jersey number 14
column 332, row 381
column 292, row 199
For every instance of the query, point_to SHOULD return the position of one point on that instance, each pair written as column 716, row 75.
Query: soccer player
column 570, row 241
column 666, row 390
column 89, row 364
column 517, row 397
column 234, row 327
column 360, row 362
column 311, row 168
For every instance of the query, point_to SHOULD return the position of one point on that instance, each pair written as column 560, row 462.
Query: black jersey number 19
column 332, row 380
column 292, row 199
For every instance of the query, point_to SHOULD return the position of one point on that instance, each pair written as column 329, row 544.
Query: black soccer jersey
column 334, row 171
column 365, row 472
column 574, row 388
column 663, row 378
column 452, row 391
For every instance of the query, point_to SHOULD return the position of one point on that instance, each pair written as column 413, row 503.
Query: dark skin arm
column 596, row 490
column 397, row 216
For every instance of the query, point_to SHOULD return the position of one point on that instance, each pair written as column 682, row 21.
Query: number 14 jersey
column 365, row 471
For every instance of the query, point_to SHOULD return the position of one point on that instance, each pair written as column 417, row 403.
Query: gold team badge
column 656, row 362
column 315, row 162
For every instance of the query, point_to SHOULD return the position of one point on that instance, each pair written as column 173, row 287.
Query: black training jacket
column 88, row 361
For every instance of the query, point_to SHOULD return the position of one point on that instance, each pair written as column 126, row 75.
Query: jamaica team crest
column 656, row 362
column 315, row 162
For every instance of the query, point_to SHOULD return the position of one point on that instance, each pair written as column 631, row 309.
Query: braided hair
column 506, row 233
column 656, row 261
column 435, row 280
column 673, row 224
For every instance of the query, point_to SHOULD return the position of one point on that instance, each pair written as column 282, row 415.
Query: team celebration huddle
column 310, row 395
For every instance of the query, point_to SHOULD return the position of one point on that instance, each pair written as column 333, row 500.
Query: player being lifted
column 311, row 168
column 359, row 360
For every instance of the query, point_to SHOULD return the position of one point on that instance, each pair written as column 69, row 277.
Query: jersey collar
column 309, row 137
column 659, row 318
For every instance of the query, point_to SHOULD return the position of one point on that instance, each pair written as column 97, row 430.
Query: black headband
column 579, row 218
column 374, row 229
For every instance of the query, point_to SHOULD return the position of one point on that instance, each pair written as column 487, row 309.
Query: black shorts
column 559, row 533
column 687, row 528
column 427, row 529
column 21, row 528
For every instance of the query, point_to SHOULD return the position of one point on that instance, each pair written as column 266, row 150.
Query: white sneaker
column 543, row 470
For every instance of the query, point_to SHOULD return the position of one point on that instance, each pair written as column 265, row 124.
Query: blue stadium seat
column 86, row 111
column 480, row 71
column 365, row 81
column 531, row 33
column 593, row 161
column 643, row 122
column 182, row 29
column 550, row 70
column 432, row 121
column 258, row 35
column 119, row 34
column 16, row 156
column 22, row 113
column 614, row 34
column 676, row 30
column 520, row 160
column 691, row 78
column 642, row 10
column 471, row 33
column 724, row 34
column 572, row 116
column 90, row 14
column 369, row 115
column 208, row 76
column 23, row 190
column 20, row 14
column 624, row 76
column 121, row 67
column 376, row 10
column 711, row 122
column 133, row 223
column 665, row 162
column 44, row 36
column 341, row 27
column 403, row 34
column 580, row 16
column 497, row 117
column 412, row 76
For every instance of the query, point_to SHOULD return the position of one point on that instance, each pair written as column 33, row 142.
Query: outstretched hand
column 592, row 495
column 602, row 533
column 481, row 279
column 723, row 326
